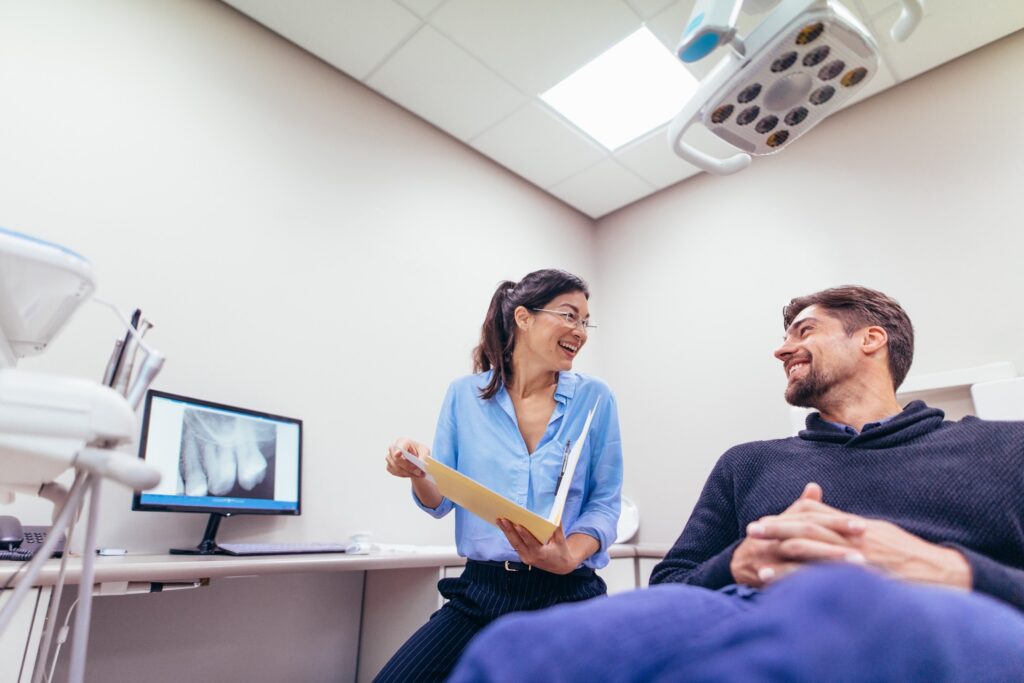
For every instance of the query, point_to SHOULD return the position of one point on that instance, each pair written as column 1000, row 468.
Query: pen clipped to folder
column 565, row 462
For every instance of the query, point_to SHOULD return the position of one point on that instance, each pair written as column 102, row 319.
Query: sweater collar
column 915, row 420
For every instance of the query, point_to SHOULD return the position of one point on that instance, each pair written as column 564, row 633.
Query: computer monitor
column 219, row 459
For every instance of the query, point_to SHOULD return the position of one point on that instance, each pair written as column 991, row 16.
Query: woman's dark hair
column 497, row 334
column 859, row 307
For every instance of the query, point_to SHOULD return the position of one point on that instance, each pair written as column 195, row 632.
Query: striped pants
column 483, row 593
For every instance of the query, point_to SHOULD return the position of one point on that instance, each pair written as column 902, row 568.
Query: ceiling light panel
column 631, row 89
column 534, row 43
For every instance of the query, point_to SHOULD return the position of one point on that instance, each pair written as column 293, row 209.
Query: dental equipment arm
column 50, row 424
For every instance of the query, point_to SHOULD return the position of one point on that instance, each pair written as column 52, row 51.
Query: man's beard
column 808, row 392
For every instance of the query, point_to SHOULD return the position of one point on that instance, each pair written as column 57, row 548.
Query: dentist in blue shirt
column 508, row 426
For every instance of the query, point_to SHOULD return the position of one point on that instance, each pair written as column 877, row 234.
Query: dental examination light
column 51, row 424
column 804, row 61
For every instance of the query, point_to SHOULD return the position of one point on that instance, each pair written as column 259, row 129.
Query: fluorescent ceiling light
column 631, row 89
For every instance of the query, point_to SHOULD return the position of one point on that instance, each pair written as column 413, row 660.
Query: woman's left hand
column 555, row 556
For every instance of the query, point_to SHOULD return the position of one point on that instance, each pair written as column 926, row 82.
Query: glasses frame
column 565, row 315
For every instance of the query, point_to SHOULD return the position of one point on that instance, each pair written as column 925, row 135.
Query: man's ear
column 873, row 339
column 522, row 317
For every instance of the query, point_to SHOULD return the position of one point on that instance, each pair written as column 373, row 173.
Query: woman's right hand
column 426, row 490
column 398, row 466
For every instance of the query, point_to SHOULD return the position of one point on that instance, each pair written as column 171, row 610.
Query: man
column 882, row 543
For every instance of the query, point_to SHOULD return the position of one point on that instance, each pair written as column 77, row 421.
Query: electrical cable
column 61, row 638
column 80, row 643
column 23, row 581
column 51, row 616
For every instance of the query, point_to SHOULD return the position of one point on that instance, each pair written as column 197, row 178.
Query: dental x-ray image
column 226, row 455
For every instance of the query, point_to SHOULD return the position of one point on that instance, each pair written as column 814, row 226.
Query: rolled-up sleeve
column 444, row 450
column 599, row 514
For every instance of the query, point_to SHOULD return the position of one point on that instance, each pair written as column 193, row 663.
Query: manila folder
column 485, row 503
column 489, row 505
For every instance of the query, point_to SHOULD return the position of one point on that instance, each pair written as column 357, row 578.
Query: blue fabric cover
column 842, row 624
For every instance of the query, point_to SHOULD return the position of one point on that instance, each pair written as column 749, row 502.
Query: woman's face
column 548, row 337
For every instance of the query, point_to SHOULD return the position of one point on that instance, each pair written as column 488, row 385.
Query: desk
column 323, row 617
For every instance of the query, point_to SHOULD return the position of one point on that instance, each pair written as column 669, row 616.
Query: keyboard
column 279, row 548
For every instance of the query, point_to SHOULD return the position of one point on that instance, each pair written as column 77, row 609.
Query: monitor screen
column 219, row 459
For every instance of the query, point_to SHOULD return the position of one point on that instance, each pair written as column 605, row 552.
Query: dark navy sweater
column 958, row 484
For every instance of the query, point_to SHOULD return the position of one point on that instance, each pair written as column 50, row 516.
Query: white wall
column 305, row 247
column 916, row 192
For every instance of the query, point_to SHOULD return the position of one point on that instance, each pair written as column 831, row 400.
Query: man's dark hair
column 859, row 307
column 497, row 334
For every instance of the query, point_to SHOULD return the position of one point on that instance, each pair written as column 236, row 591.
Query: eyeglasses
column 570, row 318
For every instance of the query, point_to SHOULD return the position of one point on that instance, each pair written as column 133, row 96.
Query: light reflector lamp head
column 41, row 286
column 803, row 62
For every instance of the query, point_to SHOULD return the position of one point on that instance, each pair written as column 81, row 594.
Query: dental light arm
column 910, row 17
column 50, row 424
column 712, row 23
column 800, row 64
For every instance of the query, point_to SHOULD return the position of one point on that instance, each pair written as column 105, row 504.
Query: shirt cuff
column 442, row 509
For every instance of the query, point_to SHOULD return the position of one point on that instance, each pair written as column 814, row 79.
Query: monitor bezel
column 137, row 503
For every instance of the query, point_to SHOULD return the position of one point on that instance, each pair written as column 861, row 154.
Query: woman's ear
column 522, row 317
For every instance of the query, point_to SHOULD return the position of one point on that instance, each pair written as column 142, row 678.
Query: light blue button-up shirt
column 481, row 439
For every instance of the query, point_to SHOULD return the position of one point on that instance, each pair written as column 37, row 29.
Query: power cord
column 62, row 636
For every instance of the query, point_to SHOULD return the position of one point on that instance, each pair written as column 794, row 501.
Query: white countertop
column 166, row 568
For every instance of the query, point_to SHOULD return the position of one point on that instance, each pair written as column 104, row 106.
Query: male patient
column 880, row 544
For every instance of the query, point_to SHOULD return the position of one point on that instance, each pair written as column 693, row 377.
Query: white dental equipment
column 50, row 424
column 803, row 62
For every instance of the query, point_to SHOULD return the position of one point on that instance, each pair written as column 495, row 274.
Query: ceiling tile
column 422, row 7
column 440, row 82
column 601, row 189
column 535, row 43
column 648, row 8
column 946, row 32
column 539, row 146
column 354, row 36
column 652, row 159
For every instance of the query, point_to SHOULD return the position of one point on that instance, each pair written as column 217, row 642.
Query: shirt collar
column 564, row 390
column 853, row 432
column 566, row 386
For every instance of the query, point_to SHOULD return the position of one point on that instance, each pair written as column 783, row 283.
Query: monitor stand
column 207, row 546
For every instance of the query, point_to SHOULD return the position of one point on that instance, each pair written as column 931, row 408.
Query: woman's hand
column 397, row 465
column 558, row 556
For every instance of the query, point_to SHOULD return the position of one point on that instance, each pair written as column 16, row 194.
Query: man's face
column 817, row 356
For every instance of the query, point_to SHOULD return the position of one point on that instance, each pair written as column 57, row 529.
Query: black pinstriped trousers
column 483, row 593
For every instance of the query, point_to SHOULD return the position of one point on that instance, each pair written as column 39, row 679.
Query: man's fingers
column 812, row 492
column 829, row 528
column 772, row 573
column 806, row 550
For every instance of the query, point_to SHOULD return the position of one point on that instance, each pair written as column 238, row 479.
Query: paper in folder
column 489, row 505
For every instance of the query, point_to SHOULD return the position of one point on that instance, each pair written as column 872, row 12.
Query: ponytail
column 496, row 341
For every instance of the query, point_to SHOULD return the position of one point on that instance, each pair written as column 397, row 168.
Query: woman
column 508, row 427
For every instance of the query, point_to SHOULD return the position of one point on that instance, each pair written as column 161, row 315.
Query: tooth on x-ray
column 219, row 450
column 192, row 472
